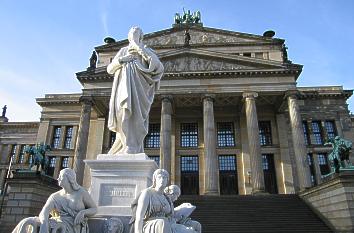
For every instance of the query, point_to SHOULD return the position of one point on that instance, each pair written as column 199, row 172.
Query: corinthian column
column 82, row 138
column 165, row 134
column 302, row 168
column 257, row 175
column 211, row 174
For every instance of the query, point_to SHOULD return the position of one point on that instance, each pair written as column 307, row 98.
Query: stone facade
column 225, row 100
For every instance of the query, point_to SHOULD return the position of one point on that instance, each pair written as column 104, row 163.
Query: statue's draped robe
column 66, row 211
column 158, row 216
column 133, row 91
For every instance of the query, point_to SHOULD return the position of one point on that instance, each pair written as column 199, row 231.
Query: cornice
column 16, row 125
column 321, row 94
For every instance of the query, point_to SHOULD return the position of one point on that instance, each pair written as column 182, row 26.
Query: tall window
column 13, row 153
column 152, row 139
column 265, row 133
column 64, row 162
column 56, row 137
column 51, row 166
column 227, row 163
column 331, row 129
column 312, row 168
column 156, row 158
column 68, row 137
column 112, row 138
column 322, row 161
column 305, row 128
column 189, row 164
column 189, row 134
column 317, row 132
column 226, row 135
column 21, row 158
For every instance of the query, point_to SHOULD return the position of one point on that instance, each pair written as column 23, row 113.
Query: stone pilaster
column 82, row 138
column 211, row 171
column 302, row 168
column 165, row 134
column 257, row 175
column 317, row 168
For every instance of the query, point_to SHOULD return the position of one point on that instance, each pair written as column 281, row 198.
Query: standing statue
column 187, row 38
column 4, row 111
column 137, row 73
column 152, row 210
column 339, row 157
column 93, row 60
column 69, row 208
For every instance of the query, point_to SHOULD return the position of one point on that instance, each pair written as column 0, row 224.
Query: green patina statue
column 339, row 157
column 38, row 157
column 188, row 17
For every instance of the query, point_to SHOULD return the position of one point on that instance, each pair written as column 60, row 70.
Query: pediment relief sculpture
column 197, row 37
column 186, row 64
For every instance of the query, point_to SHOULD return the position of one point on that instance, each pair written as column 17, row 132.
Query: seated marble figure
column 152, row 210
column 65, row 211
column 181, row 213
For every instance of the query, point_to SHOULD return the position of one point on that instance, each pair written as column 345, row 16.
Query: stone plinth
column 28, row 192
column 334, row 200
column 116, row 180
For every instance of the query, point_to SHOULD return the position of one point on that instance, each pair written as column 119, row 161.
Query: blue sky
column 43, row 43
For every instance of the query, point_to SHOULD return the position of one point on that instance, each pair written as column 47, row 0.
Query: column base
column 212, row 193
column 259, row 192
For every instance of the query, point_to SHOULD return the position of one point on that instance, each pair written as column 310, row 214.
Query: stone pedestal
column 116, row 180
column 333, row 200
column 28, row 192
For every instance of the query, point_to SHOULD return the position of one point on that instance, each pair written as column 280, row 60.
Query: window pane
column 331, row 129
column 305, row 128
column 322, row 161
column 64, row 162
column 225, row 134
column 317, row 132
column 56, row 137
column 13, row 153
column 189, row 134
column 189, row 163
column 227, row 163
column 68, row 137
column 21, row 158
column 51, row 165
column 265, row 133
column 152, row 139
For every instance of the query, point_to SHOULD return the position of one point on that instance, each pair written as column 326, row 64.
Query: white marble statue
column 137, row 73
column 152, row 210
column 182, row 212
column 69, row 209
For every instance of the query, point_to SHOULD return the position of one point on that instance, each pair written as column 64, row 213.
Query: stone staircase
column 263, row 213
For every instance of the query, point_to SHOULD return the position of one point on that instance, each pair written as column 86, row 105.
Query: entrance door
column 228, row 175
column 270, row 180
column 189, row 175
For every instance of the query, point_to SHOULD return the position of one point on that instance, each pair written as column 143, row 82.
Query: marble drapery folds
column 137, row 73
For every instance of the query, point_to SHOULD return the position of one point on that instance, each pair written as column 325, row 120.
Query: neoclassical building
column 228, row 118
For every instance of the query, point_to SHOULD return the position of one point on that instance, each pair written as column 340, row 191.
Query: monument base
column 116, row 180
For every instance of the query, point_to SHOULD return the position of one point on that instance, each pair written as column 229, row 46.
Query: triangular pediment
column 203, row 36
column 196, row 60
column 199, row 36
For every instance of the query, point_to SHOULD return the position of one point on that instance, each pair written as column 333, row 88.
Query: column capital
column 208, row 97
column 166, row 98
column 87, row 100
column 291, row 94
column 249, row 94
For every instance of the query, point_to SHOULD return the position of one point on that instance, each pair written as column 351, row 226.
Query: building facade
column 228, row 117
